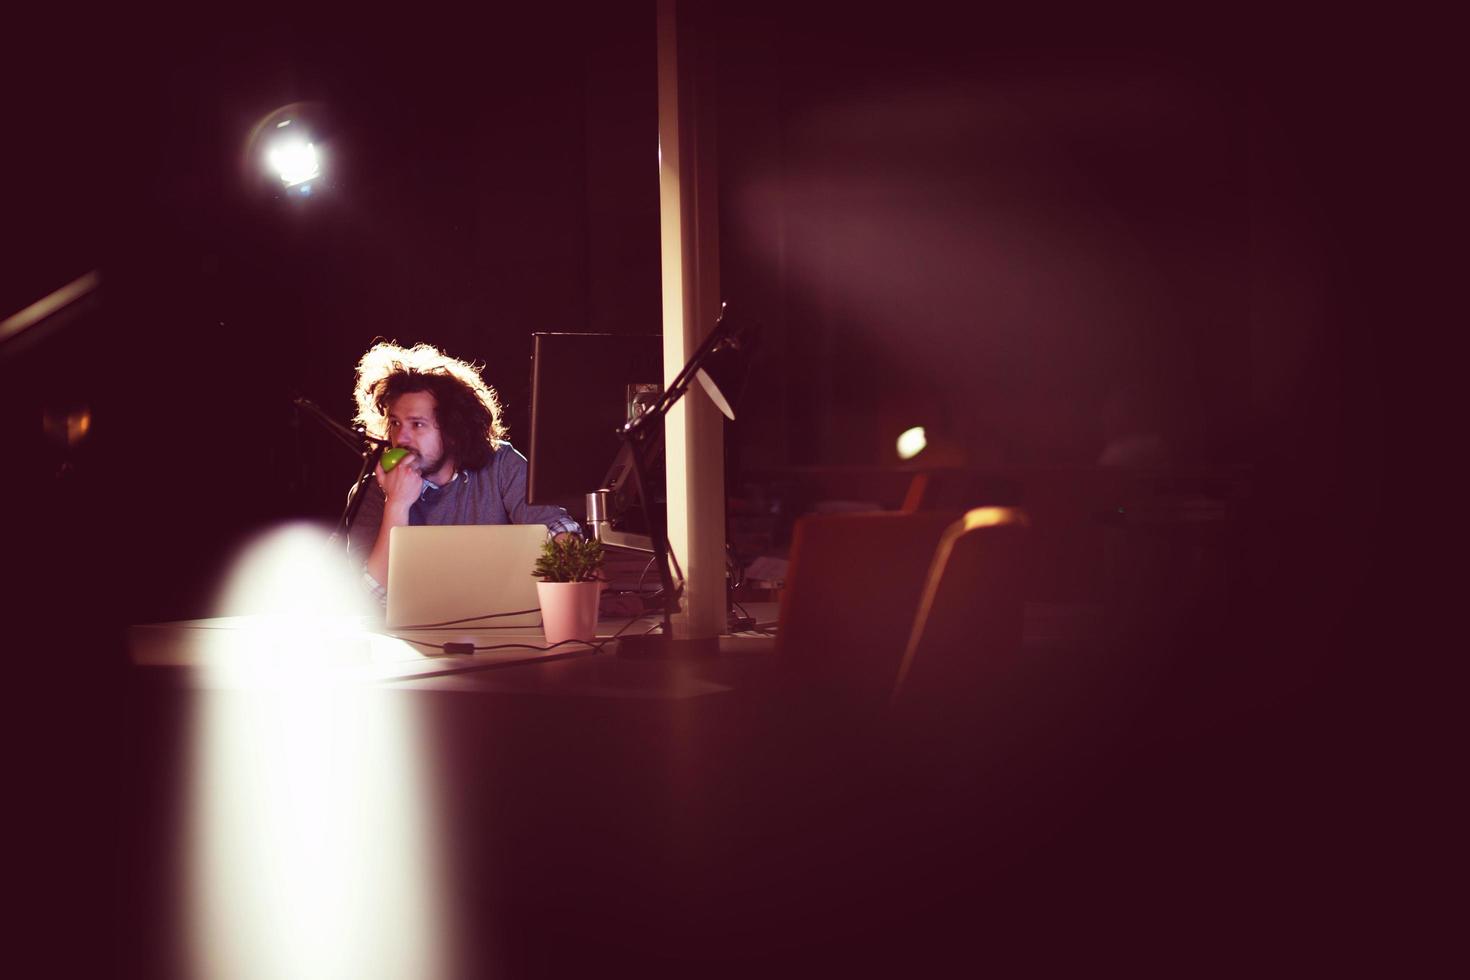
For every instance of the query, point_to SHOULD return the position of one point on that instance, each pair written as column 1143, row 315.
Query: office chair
column 969, row 699
column 852, row 587
column 967, row 628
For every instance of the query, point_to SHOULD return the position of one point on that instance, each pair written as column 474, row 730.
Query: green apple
column 392, row 458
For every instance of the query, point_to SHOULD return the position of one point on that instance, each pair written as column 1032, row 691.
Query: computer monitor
column 583, row 387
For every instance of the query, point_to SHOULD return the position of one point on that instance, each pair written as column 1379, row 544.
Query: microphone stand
column 355, row 438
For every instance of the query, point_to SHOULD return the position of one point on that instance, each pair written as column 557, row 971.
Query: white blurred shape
column 294, row 571
column 310, row 844
column 301, row 607
column 911, row 442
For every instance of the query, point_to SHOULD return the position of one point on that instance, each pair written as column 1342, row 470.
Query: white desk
column 260, row 652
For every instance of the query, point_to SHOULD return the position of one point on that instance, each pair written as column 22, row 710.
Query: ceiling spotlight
column 294, row 159
column 287, row 152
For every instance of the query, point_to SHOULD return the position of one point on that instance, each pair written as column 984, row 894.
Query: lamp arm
column 683, row 379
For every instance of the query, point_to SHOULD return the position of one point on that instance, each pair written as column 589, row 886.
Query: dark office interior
column 1102, row 259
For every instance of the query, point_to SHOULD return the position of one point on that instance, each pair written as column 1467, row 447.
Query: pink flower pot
column 569, row 610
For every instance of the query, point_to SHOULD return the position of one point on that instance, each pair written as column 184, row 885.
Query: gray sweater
column 493, row 494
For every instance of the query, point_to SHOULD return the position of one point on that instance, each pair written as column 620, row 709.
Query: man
column 459, row 468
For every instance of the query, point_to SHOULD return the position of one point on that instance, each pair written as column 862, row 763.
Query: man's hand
column 402, row 485
column 401, row 488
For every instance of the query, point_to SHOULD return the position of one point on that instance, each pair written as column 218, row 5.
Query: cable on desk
column 466, row 648
column 468, row 619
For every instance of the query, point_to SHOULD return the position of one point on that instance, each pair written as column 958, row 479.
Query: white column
column 689, row 236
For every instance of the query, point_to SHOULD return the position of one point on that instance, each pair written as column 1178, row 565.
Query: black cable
column 678, row 571
column 650, row 564
column 732, row 568
column 467, row 619
column 596, row 647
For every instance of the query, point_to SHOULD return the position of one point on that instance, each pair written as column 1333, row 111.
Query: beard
column 424, row 465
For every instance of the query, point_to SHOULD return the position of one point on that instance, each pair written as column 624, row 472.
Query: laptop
column 456, row 572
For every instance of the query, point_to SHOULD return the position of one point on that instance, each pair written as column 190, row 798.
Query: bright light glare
column 311, row 836
column 300, row 612
column 311, row 839
column 295, row 160
column 292, row 613
column 912, row 442
column 294, row 572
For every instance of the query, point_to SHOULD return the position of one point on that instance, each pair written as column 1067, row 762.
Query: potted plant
column 569, row 569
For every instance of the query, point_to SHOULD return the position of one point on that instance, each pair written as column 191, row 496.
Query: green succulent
column 571, row 559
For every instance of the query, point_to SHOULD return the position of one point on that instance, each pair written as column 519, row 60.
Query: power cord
column 639, row 589
column 743, row 622
column 461, row 648
column 469, row 619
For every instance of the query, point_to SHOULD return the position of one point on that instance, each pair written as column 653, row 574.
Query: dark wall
column 1027, row 238
column 1038, row 236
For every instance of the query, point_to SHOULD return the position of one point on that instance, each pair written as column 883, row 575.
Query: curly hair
column 467, row 409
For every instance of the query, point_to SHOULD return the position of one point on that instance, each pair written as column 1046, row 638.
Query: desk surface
column 543, row 815
column 246, row 652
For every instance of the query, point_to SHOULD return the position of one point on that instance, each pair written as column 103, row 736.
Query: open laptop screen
column 458, row 572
